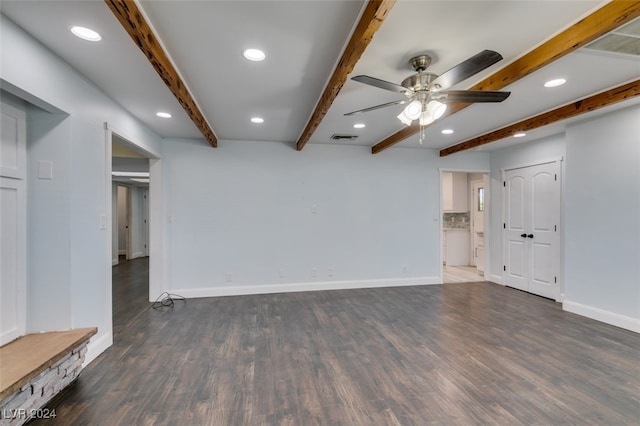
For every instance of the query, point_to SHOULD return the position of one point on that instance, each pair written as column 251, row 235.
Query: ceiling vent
column 338, row 137
column 624, row 40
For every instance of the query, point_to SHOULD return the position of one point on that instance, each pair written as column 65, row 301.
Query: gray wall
column 68, row 261
column 602, row 203
column 246, row 209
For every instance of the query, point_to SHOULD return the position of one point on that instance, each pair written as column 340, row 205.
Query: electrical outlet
column 281, row 273
column 314, row 272
column 404, row 269
column 229, row 277
column 330, row 272
column 314, row 209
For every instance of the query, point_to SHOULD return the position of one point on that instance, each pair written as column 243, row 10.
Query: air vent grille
column 625, row 40
column 338, row 137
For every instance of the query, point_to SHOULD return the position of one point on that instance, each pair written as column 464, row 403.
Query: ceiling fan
column 427, row 94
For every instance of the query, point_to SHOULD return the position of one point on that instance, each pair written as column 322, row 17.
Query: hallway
column 130, row 292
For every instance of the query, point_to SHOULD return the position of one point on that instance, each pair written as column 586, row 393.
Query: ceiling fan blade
column 466, row 69
column 400, row 102
column 381, row 84
column 472, row 96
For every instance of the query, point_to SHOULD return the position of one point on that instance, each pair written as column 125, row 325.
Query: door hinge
column 145, row 246
column 504, row 183
column 555, row 279
column 504, row 225
column 504, row 268
column 555, row 176
column 555, row 228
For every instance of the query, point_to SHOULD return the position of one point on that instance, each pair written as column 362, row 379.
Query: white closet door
column 532, row 217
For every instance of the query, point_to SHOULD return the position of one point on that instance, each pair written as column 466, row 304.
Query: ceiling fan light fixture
column 426, row 118
column 436, row 109
column 413, row 110
column 405, row 120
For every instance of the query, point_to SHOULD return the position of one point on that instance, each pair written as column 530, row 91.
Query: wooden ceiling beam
column 372, row 17
column 592, row 103
column 132, row 20
column 609, row 17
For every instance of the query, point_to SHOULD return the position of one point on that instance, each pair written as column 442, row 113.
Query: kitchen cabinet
column 455, row 192
column 455, row 247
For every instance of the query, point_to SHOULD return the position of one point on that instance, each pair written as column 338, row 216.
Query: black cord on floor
column 167, row 300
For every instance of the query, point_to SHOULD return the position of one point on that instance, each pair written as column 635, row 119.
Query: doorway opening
column 465, row 217
column 130, row 184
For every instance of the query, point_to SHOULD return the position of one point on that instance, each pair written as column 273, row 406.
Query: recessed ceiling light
column 163, row 114
column 447, row 131
column 555, row 82
column 257, row 120
column 85, row 33
column 255, row 55
column 519, row 134
column 359, row 126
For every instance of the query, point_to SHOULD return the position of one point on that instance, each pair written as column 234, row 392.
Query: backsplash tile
column 455, row 220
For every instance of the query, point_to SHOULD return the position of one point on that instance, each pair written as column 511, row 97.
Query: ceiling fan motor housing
column 418, row 82
column 420, row 62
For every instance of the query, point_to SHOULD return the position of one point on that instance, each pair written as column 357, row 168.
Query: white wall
column 122, row 195
column 114, row 223
column 48, row 223
column 68, row 260
column 137, row 234
column 246, row 209
column 600, row 277
column 602, row 212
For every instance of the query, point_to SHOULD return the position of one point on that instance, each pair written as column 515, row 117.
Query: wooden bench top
column 26, row 357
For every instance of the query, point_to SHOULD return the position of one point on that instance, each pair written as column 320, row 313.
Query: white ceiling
column 303, row 41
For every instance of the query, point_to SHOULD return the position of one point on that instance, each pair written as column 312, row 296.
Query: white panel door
column 13, row 284
column 543, row 235
column 532, row 216
column 516, row 243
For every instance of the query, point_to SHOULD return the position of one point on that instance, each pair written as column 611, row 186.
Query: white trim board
column 611, row 318
column 240, row 290
column 497, row 279
column 96, row 346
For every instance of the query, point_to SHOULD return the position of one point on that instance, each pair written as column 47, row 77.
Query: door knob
column 523, row 235
column 530, row 236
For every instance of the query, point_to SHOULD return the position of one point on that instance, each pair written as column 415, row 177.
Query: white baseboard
column 598, row 314
column 241, row 290
column 96, row 346
column 114, row 262
column 495, row 279
column 137, row 255
column 122, row 252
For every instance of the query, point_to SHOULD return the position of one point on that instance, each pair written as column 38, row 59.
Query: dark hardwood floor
column 130, row 291
column 475, row 353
